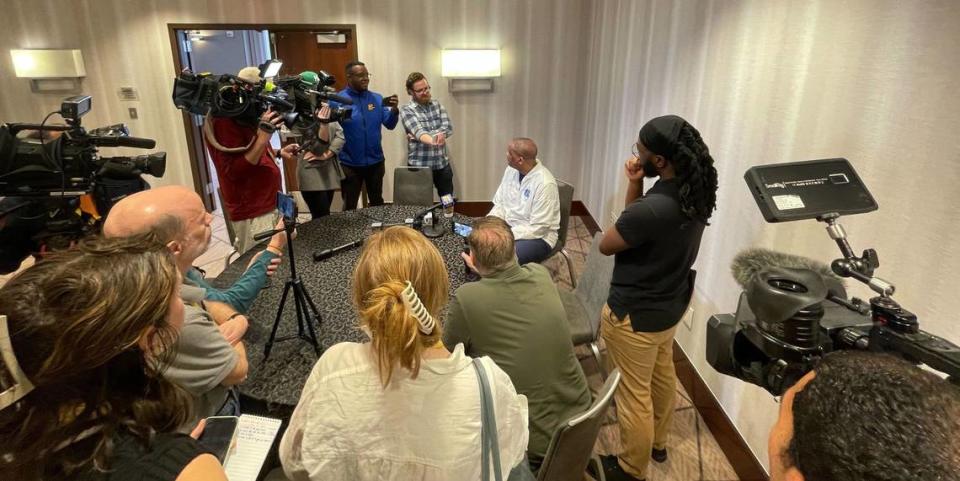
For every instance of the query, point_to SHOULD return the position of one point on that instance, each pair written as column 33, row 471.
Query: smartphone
column 286, row 206
column 462, row 230
column 219, row 435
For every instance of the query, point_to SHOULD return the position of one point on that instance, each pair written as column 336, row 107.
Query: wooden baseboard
column 480, row 208
column 746, row 465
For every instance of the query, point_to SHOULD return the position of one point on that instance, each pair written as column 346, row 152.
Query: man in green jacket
column 515, row 316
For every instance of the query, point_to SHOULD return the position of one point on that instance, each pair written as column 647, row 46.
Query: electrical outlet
column 133, row 112
column 688, row 318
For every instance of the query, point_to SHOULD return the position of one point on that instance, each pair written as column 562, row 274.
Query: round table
column 277, row 382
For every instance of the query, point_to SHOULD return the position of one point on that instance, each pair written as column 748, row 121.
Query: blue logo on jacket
column 526, row 194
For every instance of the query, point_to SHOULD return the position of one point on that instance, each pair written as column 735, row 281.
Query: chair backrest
column 413, row 186
column 593, row 285
column 571, row 446
column 566, row 201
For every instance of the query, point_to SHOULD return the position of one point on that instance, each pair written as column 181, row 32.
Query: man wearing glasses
column 362, row 155
column 428, row 127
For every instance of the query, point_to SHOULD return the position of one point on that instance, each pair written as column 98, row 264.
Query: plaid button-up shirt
column 428, row 119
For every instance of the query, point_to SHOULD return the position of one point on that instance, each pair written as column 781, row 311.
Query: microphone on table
column 328, row 253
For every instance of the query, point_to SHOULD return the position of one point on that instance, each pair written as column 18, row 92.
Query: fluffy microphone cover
column 749, row 263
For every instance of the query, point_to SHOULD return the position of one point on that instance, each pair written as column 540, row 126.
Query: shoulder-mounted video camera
column 296, row 98
column 55, row 187
column 782, row 326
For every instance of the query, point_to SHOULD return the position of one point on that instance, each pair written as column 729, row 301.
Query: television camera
column 782, row 326
column 55, row 187
column 295, row 98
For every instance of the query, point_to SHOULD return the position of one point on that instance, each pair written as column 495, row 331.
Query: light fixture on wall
column 49, row 69
column 470, row 70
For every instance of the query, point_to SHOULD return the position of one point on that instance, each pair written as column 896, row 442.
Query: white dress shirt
column 530, row 206
column 348, row 426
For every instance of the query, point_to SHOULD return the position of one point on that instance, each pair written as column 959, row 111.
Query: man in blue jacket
column 362, row 155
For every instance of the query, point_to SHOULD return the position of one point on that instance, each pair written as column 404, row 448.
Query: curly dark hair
column 874, row 417
column 696, row 175
column 75, row 321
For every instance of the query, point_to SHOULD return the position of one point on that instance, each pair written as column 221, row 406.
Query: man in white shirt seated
column 529, row 201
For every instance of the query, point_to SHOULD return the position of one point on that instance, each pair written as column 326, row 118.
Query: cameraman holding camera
column 866, row 416
column 246, row 166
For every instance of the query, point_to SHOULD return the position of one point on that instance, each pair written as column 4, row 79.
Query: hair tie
column 21, row 385
column 412, row 301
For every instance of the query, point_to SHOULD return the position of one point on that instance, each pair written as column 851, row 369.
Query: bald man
column 210, row 357
column 529, row 201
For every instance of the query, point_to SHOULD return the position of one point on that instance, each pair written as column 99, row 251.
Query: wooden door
column 300, row 50
column 303, row 50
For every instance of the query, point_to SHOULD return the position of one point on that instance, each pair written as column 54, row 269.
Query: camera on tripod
column 782, row 326
column 55, row 187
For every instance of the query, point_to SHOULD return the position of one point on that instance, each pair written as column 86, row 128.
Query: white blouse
column 347, row 426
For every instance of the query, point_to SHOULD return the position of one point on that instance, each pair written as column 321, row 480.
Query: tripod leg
column 308, row 314
column 298, row 298
column 276, row 321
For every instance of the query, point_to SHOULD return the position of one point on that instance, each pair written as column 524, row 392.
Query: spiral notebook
column 255, row 435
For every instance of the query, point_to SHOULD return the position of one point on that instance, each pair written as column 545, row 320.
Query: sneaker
column 659, row 455
column 612, row 470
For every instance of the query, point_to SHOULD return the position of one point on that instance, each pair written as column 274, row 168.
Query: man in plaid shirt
column 428, row 127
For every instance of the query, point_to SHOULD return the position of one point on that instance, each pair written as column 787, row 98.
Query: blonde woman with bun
column 400, row 406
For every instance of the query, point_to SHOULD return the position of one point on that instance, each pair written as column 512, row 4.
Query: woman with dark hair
column 656, row 240
column 88, row 332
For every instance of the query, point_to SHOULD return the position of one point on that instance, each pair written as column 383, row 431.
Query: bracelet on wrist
column 267, row 127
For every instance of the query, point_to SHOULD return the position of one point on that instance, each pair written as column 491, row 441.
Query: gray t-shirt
column 203, row 358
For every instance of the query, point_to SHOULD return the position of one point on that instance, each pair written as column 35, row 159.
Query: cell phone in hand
column 462, row 230
column 219, row 435
column 286, row 206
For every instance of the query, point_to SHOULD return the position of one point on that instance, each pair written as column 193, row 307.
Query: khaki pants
column 647, row 391
column 244, row 230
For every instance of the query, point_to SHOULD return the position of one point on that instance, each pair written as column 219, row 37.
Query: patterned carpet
column 694, row 452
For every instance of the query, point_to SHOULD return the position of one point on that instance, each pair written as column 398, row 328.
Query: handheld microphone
column 265, row 234
column 327, row 253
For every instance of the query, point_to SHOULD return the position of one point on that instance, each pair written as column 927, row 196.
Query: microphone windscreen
column 749, row 263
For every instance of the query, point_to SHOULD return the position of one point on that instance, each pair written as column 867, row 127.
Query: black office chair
column 566, row 202
column 583, row 304
column 413, row 186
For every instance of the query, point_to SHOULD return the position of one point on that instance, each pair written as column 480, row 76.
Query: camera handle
column 860, row 268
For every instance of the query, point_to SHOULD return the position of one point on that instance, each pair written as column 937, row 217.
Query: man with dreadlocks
column 655, row 241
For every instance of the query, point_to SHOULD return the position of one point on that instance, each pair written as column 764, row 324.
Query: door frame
column 198, row 162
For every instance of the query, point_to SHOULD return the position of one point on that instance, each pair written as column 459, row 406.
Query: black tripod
column 307, row 312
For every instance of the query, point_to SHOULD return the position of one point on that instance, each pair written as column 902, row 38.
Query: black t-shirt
column 652, row 279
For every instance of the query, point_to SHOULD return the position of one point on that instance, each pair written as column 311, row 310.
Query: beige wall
column 776, row 81
column 125, row 43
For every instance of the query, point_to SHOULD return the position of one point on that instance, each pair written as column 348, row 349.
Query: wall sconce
column 49, row 67
column 470, row 70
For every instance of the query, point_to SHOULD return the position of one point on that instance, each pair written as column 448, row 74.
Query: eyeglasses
column 422, row 91
column 361, row 76
column 635, row 149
